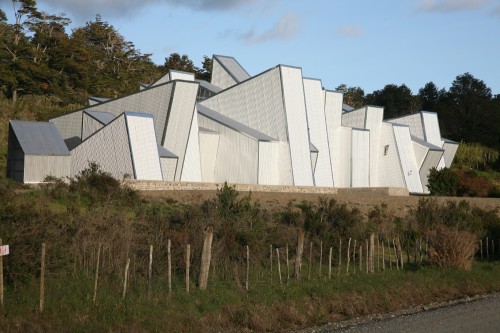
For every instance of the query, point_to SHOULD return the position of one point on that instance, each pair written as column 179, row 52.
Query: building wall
column 414, row 121
column 390, row 171
column 220, row 77
column 15, row 158
column 209, row 146
column 431, row 161
column 108, row 147
column 296, row 116
column 268, row 163
column 182, row 111
column 333, row 117
column 360, row 158
column 431, row 128
column 155, row 101
column 373, row 123
column 315, row 106
column 258, row 103
column 191, row 172
column 70, row 128
column 344, row 156
column 37, row 167
column 89, row 126
column 237, row 154
column 143, row 147
column 168, row 166
column 407, row 159
column 450, row 149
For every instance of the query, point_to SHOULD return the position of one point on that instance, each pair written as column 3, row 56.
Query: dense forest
column 42, row 63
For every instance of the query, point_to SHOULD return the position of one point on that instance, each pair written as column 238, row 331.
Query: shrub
column 443, row 182
column 470, row 184
column 452, row 248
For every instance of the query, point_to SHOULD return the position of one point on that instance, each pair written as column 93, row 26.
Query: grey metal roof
column 39, row 138
column 233, row 67
column 99, row 99
column 313, row 148
column 233, row 124
column 163, row 152
column 425, row 143
column 207, row 85
column 346, row 107
column 102, row 117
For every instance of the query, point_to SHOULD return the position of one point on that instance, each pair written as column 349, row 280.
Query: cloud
column 285, row 28
column 450, row 5
column 351, row 31
column 86, row 9
column 496, row 11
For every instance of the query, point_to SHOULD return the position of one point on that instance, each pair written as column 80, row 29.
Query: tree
column 353, row 96
column 430, row 96
column 205, row 73
column 180, row 63
column 396, row 100
column 471, row 113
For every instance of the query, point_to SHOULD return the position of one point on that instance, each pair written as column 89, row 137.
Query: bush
column 452, row 248
column 470, row 184
column 443, row 182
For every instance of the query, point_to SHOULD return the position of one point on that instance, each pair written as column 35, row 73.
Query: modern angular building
column 274, row 128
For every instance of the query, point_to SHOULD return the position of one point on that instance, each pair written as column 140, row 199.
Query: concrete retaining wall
column 148, row 185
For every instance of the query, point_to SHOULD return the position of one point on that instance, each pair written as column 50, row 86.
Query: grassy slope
column 224, row 307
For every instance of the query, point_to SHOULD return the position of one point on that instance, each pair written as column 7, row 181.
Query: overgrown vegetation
column 75, row 217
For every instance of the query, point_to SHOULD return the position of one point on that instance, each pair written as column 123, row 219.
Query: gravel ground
column 477, row 314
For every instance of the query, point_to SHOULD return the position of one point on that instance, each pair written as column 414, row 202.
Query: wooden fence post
column 330, row 263
column 310, row 260
column 487, row 249
column 367, row 255
column 378, row 252
column 481, row 248
column 97, row 273
column 150, row 270
column 169, row 266
column 396, row 253
column 372, row 253
column 320, row 257
column 271, row 263
column 42, row 279
column 188, row 261
column 383, row 255
column 348, row 257
column 247, row 282
column 125, row 279
column 298, row 255
column 400, row 253
column 279, row 265
column 206, row 257
column 287, row 265
column 354, row 257
column 340, row 256
column 361, row 258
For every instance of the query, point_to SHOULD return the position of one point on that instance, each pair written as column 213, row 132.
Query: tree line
column 39, row 57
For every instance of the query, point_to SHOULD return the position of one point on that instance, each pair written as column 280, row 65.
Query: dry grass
column 450, row 247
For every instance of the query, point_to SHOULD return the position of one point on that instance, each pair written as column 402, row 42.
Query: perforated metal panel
column 155, row 101
column 143, row 146
column 407, row 159
column 450, row 149
column 36, row 168
column 168, row 166
column 315, row 106
column 344, row 157
column 414, row 122
column 373, row 123
column 90, row 126
column 70, row 128
column 268, row 163
column 360, row 158
column 209, row 145
column 333, row 117
column 296, row 115
column 431, row 161
column 355, row 118
column 390, row 172
column 220, row 77
column 431, row 128
column 109, row 147
column 191, row 171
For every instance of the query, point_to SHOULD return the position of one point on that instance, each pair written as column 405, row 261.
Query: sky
column 363, row 43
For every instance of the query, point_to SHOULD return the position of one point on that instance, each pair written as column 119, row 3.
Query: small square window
column 386, row 149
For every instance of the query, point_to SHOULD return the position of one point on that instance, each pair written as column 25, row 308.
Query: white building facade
column 274, row 128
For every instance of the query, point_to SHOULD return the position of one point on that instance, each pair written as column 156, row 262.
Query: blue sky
column 362, row 43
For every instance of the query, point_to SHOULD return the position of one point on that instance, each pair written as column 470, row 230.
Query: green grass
column 224, row 306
